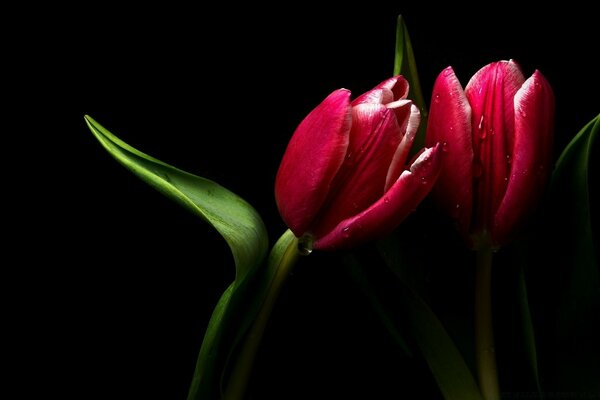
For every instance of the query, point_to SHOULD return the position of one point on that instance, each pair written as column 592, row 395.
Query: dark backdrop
column 120, row 301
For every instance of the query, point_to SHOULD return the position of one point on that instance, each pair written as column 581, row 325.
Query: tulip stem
column 484, row 335
column 242, row 370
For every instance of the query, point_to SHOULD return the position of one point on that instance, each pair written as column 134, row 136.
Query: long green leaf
column 405, row 64
column 446, row 363
column 528, row 330
column 453, row 376
column 281, row 260
column 238, row 223
column 574, row 247
column 357, row 273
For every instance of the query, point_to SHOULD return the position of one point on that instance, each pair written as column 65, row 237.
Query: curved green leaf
column 573, row 246
column 238, row 223
column 235, row 219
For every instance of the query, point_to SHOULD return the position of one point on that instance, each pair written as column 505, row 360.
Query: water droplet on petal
column 445, row 147
column 508, row 159
column 423, row 180
column 305, row 244
column 481, row 123
column 491, row 130
column 437, row 98
column 451, row 128
column 457, row 205
column 386, row 200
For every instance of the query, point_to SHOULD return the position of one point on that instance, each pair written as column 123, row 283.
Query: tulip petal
column 313, row 157
column 490, row 93
column 449, row 124
column 391, row 209
column 374, row 137
column 398, row 164
column 534, row 118
column 375, row 96
column 397, row 86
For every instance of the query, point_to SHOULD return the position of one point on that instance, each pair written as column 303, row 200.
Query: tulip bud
column 496, row 137
column 342, row 180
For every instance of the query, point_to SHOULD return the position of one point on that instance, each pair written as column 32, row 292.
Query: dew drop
column 508, row 159
column 481, row 123
column 305, row 245
column 423, row 180
column 451, row 128
column 437, row 98
column 491, row 130
column 445, row 147
column 386, row 200
column 457, row 205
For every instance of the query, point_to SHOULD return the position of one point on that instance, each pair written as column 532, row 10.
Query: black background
column 117, row 283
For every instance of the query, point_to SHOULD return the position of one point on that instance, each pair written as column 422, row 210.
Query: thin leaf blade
column 405, row 64
column 453, row 376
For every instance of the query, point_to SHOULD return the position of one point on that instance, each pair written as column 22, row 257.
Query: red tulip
column 342, row 180
column 496, row 138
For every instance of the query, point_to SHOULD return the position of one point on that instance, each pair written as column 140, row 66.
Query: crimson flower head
column 343, row 179
column 496, row 138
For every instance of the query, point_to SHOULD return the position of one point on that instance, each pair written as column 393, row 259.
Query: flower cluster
column 344, row 178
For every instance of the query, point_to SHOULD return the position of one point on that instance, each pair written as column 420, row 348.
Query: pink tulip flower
column 496, row 137
column 343, row 178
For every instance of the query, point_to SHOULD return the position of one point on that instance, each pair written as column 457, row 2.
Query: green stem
column 242, row 370
column 484, row 335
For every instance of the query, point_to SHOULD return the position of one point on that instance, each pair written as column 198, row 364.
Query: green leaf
column 281, row 260
column 453, row 376
column 528, row 331
column 357, row 273
column 238, row 223
column 447, row 365
column 572, row 246
column 405, row 64
column 236, row 220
